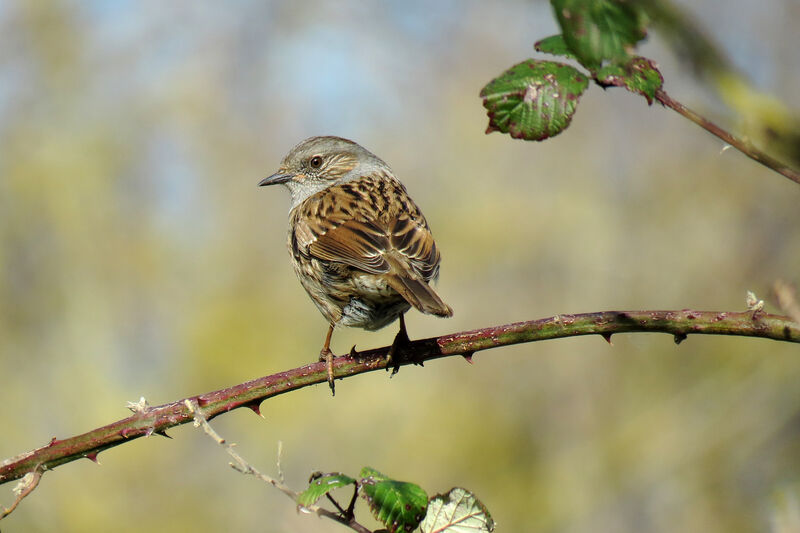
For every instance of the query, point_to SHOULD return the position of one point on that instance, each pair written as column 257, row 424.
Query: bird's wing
column 414, row 261
column 373, row 226
column 359, row 244
column 369, row 244
column 404, row 253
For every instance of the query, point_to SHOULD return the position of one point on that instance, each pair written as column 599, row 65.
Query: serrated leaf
column 320, row 485
column 458, row 511
column 597, row 31
column 399, row 505
column 554, row 45
column 638, row 75
column 533, row 100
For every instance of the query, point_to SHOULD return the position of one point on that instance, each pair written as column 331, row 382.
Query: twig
column 766, row 116
column 239, row 464
column 242, row 466
column 743, row 146
column 27, row 485
column 278, row 467
column 147, row 420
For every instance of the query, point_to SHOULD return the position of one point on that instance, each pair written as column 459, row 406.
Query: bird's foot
column 327, row 356
column 395, row 353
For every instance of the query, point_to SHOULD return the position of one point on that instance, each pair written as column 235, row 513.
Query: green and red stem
column 149, row 420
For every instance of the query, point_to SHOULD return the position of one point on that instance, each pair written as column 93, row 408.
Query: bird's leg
column 400, row 341
column 327, row 355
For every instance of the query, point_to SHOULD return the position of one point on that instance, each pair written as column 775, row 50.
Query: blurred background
column 139, row 258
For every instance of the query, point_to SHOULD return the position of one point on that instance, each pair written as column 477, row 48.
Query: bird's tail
column 420, row 295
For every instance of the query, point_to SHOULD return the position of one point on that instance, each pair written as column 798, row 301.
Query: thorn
column 92, row 456
column 607, row 337
column 353, row 352
column 53, row 440
column 679, row 338
column 163, row 433
column 149, row 431
column 468, row 357
column 255, row 407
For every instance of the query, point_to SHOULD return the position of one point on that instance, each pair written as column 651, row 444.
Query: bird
column 359, row 245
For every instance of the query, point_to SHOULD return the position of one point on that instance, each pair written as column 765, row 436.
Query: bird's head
column 319, row 162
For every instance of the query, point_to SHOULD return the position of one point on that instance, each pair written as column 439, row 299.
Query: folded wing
column 400, row 249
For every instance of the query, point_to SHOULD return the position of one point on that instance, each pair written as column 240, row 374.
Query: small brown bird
column 359, row 244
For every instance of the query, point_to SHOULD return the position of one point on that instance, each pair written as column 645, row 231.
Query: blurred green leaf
column 638, row 75
column 533, row 100
column 458, row 511
column 600, row 30
column 554, row 45
column 399, row 505
column 321, row 485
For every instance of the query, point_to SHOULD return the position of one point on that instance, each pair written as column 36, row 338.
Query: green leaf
column 597, row 31
column 458, row 511
column 533, row 100
column 321, row 484
column 638, row 75
column 399, row 505
column 554, row 45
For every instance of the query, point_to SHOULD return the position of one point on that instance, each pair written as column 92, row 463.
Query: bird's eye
column 315, row 162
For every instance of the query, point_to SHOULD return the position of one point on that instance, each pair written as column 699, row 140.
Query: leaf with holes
column 600, row 30
column 458, row 511
column 554, row 45
column 638, row 75
column 399, row 505
column 533, row 100
column 321, row 484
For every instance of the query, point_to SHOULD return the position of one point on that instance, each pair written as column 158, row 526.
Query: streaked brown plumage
column 359, row 244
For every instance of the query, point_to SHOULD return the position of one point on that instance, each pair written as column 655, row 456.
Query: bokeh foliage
column 138, row 257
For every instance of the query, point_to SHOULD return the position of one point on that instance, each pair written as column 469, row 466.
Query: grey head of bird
column 319, row 162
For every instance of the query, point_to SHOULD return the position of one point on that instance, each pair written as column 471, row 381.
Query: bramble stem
column 740, row 144
column 147, row 420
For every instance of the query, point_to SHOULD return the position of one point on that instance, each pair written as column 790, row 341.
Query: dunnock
column 359, row 244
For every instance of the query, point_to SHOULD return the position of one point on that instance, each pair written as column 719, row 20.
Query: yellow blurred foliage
column 139, row 258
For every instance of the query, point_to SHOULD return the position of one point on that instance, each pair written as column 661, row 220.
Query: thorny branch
column 147, row 420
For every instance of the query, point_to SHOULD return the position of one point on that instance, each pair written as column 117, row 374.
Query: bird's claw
column 400, row 341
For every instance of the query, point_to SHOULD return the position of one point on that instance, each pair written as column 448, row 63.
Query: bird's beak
column 278, row 177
